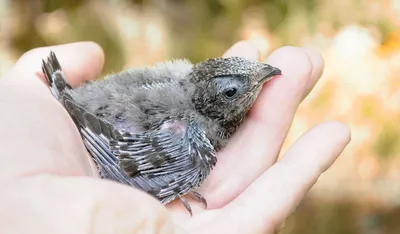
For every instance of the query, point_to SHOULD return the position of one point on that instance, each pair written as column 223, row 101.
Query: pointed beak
column 268, row 72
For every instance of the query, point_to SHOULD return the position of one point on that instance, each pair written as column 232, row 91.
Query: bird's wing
column 188, row 157
column 164, row 164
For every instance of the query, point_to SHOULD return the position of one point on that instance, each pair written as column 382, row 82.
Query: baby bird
column 158, row 128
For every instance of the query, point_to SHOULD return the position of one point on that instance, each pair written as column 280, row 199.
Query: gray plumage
column 159, row 128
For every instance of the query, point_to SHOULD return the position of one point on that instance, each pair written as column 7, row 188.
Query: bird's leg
column 186, row 204
column 198, row 197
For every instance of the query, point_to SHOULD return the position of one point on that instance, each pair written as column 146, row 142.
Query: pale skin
column 50, row 185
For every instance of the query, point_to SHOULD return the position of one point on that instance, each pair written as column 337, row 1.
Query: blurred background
column 360, row 41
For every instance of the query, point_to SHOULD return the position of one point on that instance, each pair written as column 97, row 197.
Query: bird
column 158, row 128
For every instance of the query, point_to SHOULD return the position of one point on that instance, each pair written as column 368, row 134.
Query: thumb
column 51, row 204
column 81, row 61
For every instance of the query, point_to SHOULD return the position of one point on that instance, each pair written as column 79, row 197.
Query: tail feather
column 95, row 132
column 54, row 76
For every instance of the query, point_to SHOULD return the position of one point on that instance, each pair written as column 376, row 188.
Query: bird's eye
column 230, row 92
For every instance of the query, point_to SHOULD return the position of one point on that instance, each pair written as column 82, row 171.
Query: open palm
column 248, row 191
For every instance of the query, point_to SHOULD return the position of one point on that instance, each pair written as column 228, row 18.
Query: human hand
column 45, row 169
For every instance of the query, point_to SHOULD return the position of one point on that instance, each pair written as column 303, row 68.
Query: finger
column 38, row 135
column 257, row 143
column 50, row 204
column 318, row 65
column 54, row 132
column 80, row 62
column 275, row 194
column 243, row 49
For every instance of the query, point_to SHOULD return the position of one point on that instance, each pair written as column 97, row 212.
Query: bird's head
column 226, row 88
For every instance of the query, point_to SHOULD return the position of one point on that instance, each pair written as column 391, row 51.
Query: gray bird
column 159, row 128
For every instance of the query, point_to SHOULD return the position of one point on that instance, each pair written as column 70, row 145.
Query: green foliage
column 387, row 143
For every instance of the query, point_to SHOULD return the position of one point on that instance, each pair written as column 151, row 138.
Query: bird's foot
column 196, row 196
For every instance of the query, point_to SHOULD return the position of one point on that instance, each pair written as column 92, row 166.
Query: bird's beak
column 267, row 73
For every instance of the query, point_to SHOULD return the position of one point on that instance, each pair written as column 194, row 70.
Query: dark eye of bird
column 231, row 92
